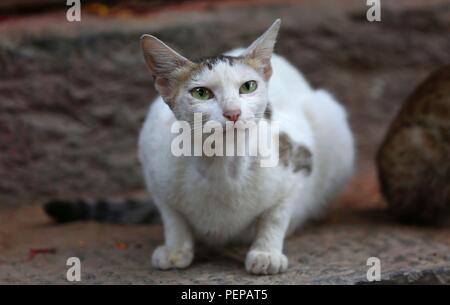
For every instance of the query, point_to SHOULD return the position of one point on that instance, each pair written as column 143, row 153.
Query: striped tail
column 130, row 211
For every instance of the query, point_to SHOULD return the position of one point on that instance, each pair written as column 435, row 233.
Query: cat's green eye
column 202, row 93
column 248, row 87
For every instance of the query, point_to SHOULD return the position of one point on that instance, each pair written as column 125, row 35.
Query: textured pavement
column 332, row 251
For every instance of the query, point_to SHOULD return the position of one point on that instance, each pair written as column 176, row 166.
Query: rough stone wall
column 72, row 98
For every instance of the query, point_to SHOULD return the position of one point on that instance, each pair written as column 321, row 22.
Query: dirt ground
column 72, row 99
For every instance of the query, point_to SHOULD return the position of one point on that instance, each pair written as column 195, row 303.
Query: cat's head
column 223, row 88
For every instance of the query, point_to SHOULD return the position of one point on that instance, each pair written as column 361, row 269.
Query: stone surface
column 332, row 251
column 73, row 96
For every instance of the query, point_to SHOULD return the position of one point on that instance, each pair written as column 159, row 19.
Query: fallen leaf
column 121, row 245
column 35, row 251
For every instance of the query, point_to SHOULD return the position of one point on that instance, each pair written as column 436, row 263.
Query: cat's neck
column 238, row 155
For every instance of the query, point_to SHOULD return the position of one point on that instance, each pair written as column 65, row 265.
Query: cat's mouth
column 240, row 123
column 225, row 125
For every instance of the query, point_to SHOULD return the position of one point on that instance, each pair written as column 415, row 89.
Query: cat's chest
column 220, row 214
column 225, row 188
column 222, row 203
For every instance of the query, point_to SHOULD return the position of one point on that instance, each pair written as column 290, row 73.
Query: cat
column 414, row 158
column 225, row 200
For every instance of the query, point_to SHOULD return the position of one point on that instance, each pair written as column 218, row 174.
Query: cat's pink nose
column 232, row 115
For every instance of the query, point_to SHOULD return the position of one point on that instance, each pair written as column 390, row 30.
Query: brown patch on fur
column 297, row 155
column 268, row 112
column 255, row 64
column 177, row 79
column 302, row 160
column 267, row 72
column 251, row 62
column 186, row 72
column 285, row 148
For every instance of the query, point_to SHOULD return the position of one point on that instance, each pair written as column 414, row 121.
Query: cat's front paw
column 266, row 262
column 165, row 258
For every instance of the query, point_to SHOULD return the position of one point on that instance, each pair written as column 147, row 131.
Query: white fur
column 221, row 200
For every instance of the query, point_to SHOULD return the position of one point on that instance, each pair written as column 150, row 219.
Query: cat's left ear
column 162, row 62
column 262, row 48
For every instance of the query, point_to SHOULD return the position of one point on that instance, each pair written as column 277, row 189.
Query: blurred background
column 73, row 95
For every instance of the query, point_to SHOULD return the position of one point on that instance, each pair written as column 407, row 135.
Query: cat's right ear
column 162, row 62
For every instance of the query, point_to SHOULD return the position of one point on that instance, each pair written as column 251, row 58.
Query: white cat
column 221, row 200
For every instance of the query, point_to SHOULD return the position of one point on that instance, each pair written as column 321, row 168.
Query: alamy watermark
column 74, row 272
column 240, row 138
column 374, row 11
column 73, row 13
column 374, row 272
